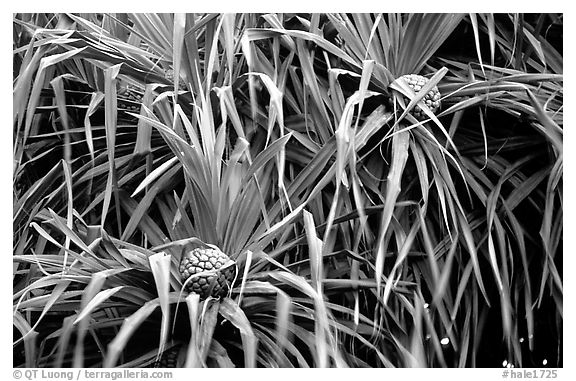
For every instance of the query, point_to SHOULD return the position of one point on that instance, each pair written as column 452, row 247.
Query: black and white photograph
column 287, row 190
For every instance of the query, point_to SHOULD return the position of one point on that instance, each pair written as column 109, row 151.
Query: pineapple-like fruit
column 217, row 282
column 431, row 99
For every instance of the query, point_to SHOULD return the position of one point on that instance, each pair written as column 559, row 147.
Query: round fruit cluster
column 431, row 99
column 130, row 98
column 169, row 75
column 211, row 271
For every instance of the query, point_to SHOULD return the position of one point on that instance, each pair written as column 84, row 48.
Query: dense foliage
column 363, row 236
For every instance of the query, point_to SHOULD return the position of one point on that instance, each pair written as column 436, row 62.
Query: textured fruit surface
column 431, row 99
column 200, row 260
